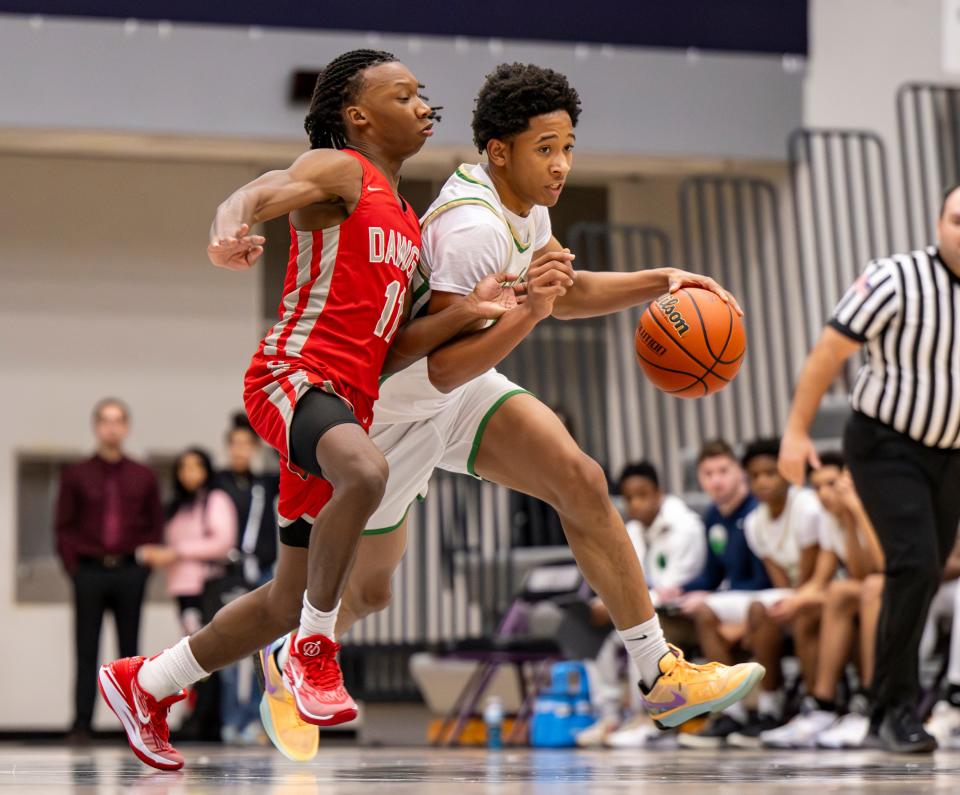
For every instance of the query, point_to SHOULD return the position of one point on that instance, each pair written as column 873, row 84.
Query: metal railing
column 842, row 219
column 928, row 127
column 731, row 230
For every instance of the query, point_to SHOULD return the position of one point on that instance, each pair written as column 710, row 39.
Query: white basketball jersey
column 467, row 233
column 470, row 192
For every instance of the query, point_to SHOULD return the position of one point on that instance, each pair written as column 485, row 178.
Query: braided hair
column 338, row 84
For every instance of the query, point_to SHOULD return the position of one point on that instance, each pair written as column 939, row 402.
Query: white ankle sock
column 646, row 646
column 170, row 671
column 317, row 622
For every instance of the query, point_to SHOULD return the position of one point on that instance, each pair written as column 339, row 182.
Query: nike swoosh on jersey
column 370, row 187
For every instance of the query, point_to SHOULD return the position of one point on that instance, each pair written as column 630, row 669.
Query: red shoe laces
column 158, row 711
column 322, row 671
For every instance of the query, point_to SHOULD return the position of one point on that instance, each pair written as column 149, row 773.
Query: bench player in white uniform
column 454, row 411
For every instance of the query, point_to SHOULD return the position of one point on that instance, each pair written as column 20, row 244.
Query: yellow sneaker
column 292, row 737
column 684, row 690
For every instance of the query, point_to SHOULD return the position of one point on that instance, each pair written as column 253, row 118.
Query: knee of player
column 579, row 482
column 376, row 596
column 366, row 477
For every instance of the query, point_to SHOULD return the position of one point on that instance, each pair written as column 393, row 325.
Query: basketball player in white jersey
column 454, row 411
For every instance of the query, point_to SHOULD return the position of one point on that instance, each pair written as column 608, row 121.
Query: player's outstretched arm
column 819, row 371
column 605, row 292
column 492, row 297
column 320, row 176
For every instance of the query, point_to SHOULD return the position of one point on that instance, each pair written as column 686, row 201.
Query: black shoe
column 749, row 735
column 713, row 735
column 902, row 733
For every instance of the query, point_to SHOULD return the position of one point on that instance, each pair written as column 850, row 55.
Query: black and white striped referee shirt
column 906, row 311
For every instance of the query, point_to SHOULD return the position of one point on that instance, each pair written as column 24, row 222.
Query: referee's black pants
column 911, row 493
column 118, row 587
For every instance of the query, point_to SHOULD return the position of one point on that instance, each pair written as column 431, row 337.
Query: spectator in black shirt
column 255, row 498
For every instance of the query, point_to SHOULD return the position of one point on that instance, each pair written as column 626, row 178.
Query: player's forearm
column 237, row 209
column 594, row 294
column 419, row 337
column 819, row 371
column 464, row 359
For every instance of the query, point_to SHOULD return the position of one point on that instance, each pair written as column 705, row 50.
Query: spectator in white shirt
column 668, row 536
column 847, row 544
column 784, row 532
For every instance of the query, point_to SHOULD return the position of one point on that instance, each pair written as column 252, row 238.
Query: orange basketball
column 690, row 343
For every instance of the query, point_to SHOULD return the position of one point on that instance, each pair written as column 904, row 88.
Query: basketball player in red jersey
column 310, row 388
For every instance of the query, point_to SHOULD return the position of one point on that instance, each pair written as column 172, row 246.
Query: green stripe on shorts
column 478, row 437
column 380, row 531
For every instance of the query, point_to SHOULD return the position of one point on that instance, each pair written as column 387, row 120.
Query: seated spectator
column 669, row 541
column 847, row 541
column 731, row 571
column 783, row 533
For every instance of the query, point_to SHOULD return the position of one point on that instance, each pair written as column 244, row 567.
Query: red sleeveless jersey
column 344, row 288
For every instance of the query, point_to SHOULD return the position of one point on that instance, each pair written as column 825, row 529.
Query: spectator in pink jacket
column 200, row 532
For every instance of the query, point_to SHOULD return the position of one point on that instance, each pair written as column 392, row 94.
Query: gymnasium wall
column 106, row 290
column 862, row 51
column 227, row 81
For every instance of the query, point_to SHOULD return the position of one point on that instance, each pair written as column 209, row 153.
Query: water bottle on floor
column 493, row 718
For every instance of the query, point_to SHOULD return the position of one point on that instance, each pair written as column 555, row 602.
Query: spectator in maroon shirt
column 108, row 506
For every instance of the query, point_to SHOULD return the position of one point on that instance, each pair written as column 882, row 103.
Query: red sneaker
column 313, row 675
column 144, row 718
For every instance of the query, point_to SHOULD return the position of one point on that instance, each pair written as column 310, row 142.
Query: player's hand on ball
column 236, row 252
column 796, row 451
column 678, row 279
column 493, row 296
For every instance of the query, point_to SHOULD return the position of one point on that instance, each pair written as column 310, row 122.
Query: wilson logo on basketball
column 310, row 649
column 668, row 305
column 650, row 342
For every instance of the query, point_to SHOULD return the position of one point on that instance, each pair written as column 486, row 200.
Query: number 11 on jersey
column 394, row 296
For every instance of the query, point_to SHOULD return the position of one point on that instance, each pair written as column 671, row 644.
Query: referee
column 902, row 445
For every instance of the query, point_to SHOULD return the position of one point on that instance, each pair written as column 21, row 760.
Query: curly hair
column 769, row 446
column 512, row 94
column 338, row 84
